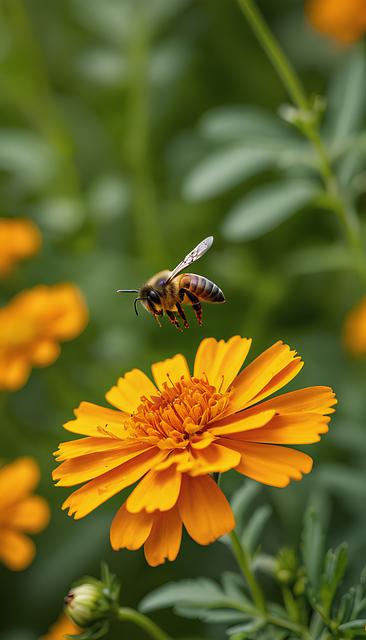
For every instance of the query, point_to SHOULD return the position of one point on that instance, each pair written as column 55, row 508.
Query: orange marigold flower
column 343, row 20
column 172, row 435
column 354, row 330
column 19, row 239
column 20, row 512
column 31, row 327
column 62, row 627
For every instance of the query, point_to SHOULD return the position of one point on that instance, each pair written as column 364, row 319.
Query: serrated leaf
column 223, row 170
column 312, row 548
column 267, row 207
column 253, row 529
column 241, row 501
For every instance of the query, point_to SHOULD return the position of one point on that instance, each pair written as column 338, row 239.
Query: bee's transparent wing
column 194, row 255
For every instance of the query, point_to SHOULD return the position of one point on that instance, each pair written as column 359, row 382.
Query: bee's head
column 146, row 295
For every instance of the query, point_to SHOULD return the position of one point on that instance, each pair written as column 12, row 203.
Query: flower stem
column 310, row 128
column 142, row 621
column 243, row 560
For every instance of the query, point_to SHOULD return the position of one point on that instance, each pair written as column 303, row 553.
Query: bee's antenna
column 135, row 304
column 127, row 291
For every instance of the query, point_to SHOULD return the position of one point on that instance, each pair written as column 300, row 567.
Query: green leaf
column 355, row 624
column 318, row 259
column 192, row 593
column 312, row 548
column 347, row 96
column 247, row 627
column 223, row 170
column 253, row 530
column 217, row 616
column 234, row 123
column 334, row 568
column 266, row 207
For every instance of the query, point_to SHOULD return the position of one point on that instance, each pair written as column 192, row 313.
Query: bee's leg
column 196, row 305
column 182, row 314
column 173, row 319
column 155, row 312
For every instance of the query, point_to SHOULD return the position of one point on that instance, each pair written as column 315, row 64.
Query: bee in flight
column 167, row 291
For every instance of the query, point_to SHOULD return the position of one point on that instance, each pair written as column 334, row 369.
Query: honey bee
column 167, row 291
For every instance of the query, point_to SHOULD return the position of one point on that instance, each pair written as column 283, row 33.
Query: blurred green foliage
column 130, row 130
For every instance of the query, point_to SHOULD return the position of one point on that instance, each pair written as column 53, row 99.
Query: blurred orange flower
column 31, row 327
column 343, row 20
column 172, row 435
column 20, row 512
column 62, row 627
column 354, row 330
column 19, row 239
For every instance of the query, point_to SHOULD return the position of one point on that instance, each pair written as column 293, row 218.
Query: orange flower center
column 177, row 416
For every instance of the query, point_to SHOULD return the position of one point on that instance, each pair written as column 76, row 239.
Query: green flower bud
column 90, row 603
column 85, row 604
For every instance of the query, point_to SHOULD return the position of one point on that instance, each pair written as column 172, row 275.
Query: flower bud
column 91, row 603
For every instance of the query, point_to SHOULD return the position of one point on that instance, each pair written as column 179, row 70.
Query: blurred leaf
column 60, row 215
column 236, row 123
column 248, row 627
column 347, row 96
column 198, row 593
column 334, row 569
column 108, row 198
column 265, row 208
column 215, row 616
column 346, row 482
column 254, row 528
column 316, row 259
column 312, row 548
column 355, row 624
column 224, row 169
column 26, row 155
column 102, row 66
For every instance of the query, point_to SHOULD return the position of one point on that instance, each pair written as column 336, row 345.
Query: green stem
column 243, row 560
column 291, row 626
column 142, row 621
column 310, row 129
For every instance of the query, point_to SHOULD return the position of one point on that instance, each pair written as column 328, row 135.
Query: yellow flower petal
column 31, row 515
column 271, row 464
column 170, row 370
column 303, row 428
column 205, row 512
column 84, row 446
column 17, row 480
column 97, row 491
column 257, row 375
column 241, row 422
column 157, row 490
column 93, row 420
column 16, row 550
column 220, row 361
column 128, row 393
column 93, row 465
column 44, row 352
column 310, row 400
column 61, row 628
column 165, row 538
column 215, row 458
column 130, row 530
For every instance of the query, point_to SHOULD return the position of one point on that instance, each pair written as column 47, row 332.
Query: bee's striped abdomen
column 202, row 287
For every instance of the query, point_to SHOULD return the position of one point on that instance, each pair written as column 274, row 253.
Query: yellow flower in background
column 31, row 327
column 19, row 239
column 62, row 627
column 342, row 20
column 354, row 330
column 171, row 435
column 21, row 512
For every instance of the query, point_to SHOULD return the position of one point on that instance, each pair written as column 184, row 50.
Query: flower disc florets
column 178, row 416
